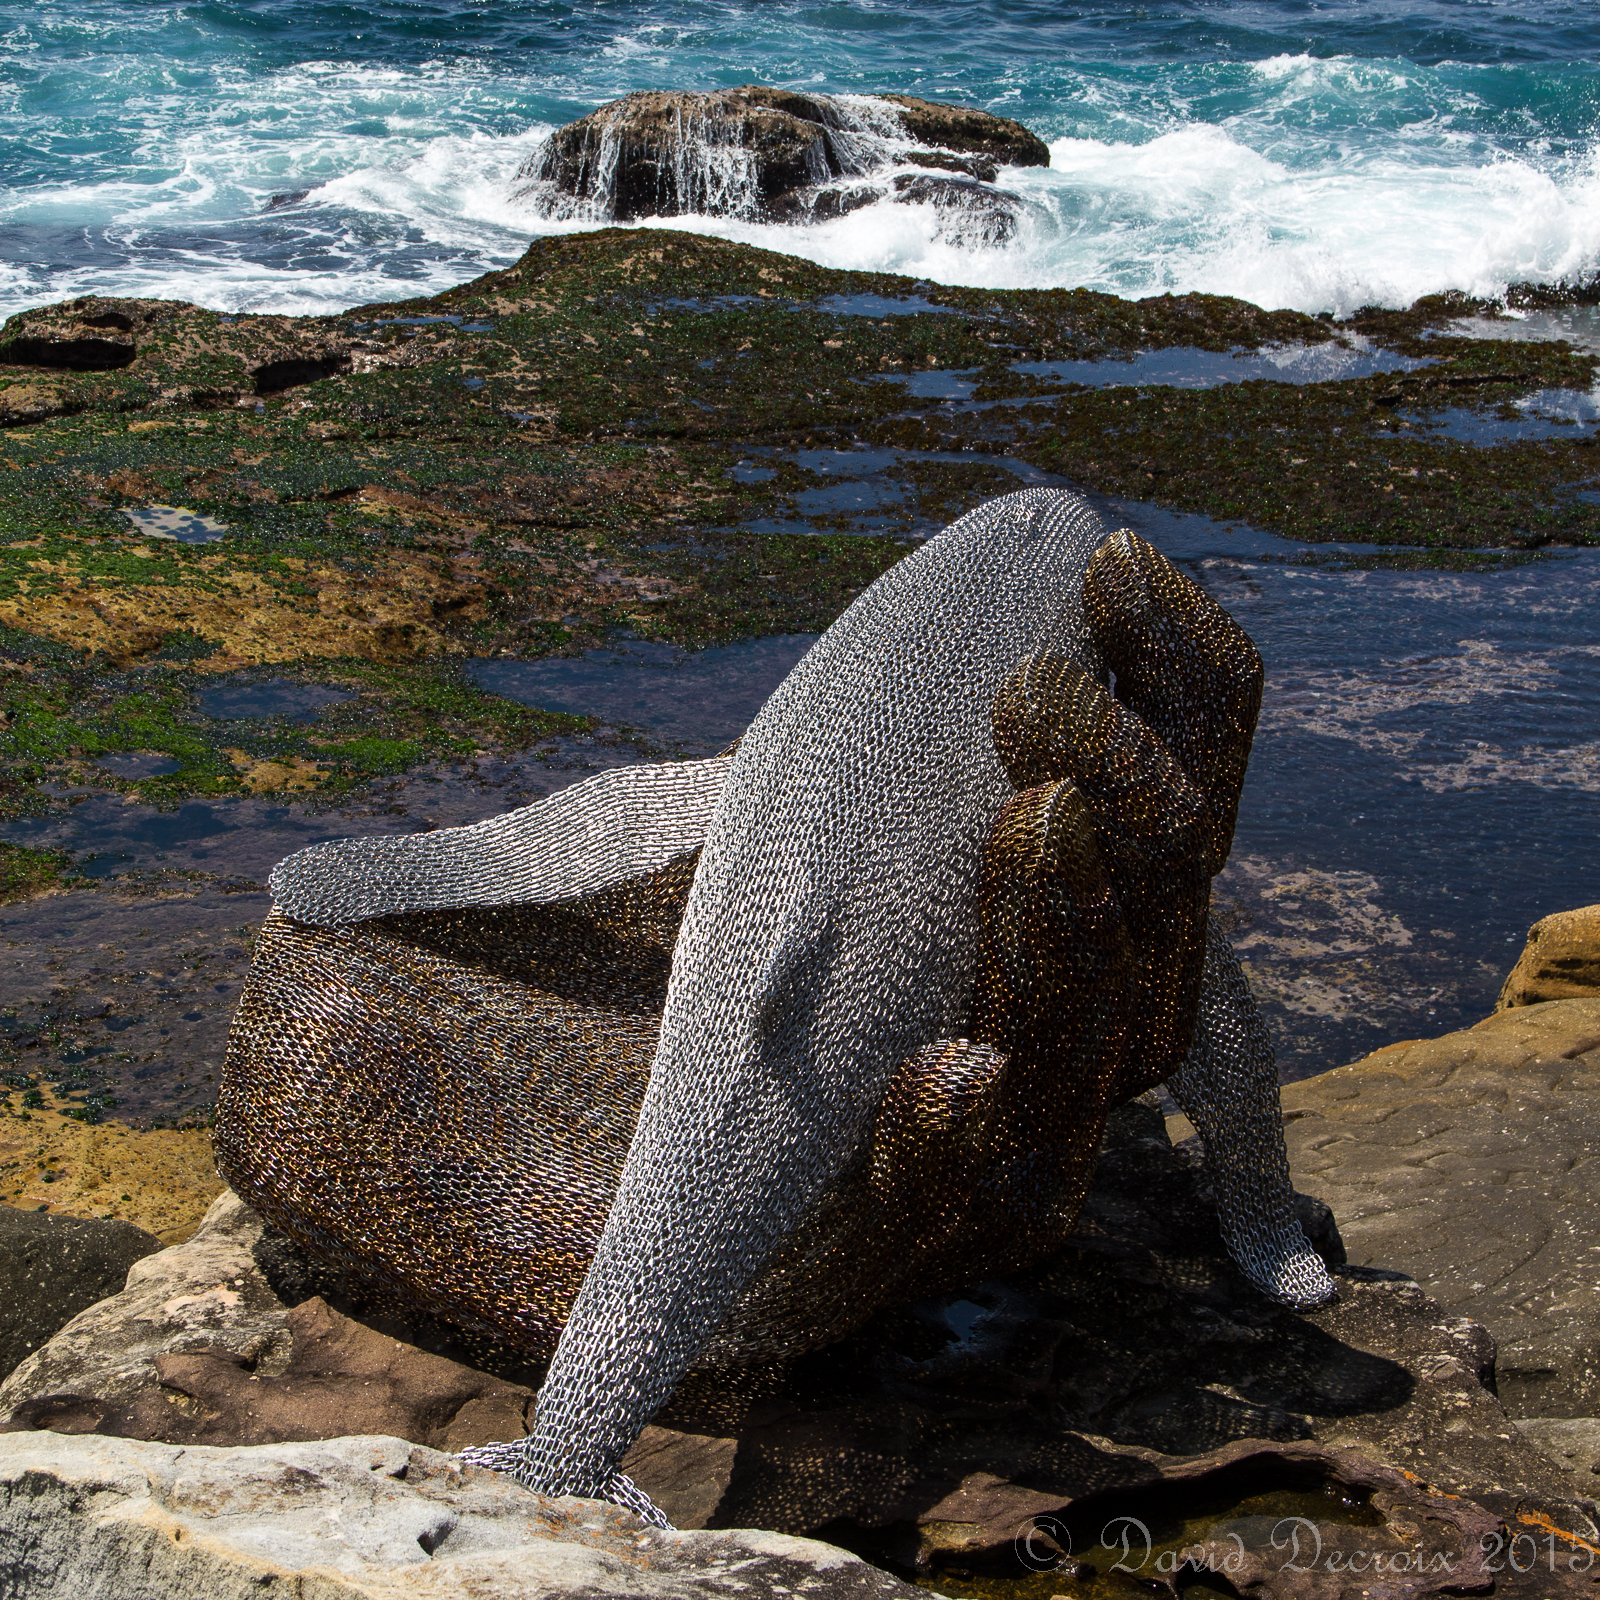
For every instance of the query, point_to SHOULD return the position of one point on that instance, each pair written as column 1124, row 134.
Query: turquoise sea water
column 1318, row 155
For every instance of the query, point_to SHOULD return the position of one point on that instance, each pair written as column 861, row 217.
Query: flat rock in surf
column 779, row 156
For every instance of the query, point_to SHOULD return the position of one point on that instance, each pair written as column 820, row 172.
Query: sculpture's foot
column 515, row 1460
column 1284, row 1267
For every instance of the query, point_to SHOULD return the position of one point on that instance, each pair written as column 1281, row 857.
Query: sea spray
column 1318, row 162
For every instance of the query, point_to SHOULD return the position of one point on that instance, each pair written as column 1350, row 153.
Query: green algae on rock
column 689, row 438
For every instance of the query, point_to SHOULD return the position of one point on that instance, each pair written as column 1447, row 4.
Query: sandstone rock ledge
column 372, row 1517
column 1136, row 1370
column 1472, row 1162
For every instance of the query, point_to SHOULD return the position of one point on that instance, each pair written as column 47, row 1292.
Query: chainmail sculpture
column 704, row 1063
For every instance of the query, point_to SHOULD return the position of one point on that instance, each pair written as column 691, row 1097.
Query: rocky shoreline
column 1442, row 1408
column 365, row 509
column 344, row 518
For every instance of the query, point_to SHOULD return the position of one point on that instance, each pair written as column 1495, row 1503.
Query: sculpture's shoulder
column 884, row 728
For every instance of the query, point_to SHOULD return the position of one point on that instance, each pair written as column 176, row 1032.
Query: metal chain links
column 701, row 1064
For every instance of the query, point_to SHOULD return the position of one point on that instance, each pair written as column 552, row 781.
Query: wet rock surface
column 773, row 154
column 1136, row 1360
column 375, row 1518
column 51, row 1268
column 592, row 441
column 116, row 995
column 1471, row 1162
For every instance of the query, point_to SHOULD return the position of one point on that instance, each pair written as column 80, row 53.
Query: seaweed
column 689, row 438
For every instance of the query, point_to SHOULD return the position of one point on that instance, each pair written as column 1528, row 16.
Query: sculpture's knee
column 935, row 1123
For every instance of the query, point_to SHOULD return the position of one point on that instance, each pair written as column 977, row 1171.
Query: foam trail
column 1197, row 210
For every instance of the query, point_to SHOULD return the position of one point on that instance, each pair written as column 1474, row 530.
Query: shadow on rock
column 1137, row 1373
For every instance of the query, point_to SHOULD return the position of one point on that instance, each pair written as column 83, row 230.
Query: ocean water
column 305, row 155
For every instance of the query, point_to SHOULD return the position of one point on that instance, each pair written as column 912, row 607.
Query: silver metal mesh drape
column 599, row 833
column 830, row 932
column 1228, row 1088
column 950, row 906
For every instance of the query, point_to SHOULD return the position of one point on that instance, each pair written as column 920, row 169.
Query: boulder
column 51, row 1268
column 225, row 1340
column 84, row 335
column 768, row 154
column 96, row 333
column 1137, row 1364
column 1560, row 961
column 360, row 1519
column 961, row 128
column 207, row 1293
column 1472, row 1162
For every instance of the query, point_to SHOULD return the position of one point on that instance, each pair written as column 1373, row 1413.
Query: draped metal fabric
column 704, row 1063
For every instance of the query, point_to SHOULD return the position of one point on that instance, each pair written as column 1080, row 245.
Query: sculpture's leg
column 1228, row 1088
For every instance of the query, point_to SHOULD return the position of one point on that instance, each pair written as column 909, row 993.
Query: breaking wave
column 273, row 159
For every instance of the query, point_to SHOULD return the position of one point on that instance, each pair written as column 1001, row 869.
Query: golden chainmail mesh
column 443, row 1100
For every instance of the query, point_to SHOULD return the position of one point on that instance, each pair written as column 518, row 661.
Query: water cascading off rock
column 772, row 155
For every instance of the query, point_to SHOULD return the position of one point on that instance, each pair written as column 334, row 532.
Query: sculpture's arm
column 1192, row 678
column 1228, row 1088
column 681, row 1241
column 611, row 827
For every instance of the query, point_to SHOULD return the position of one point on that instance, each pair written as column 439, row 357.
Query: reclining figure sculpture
column 700, row 1064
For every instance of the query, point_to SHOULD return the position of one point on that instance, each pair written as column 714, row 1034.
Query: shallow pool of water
column 138, row 764
column 1544, row 414
column 281, row 699
column 695, row 702
column 1578, row 325
column 176, row 523
column 1425, row 781
column 868, row 486
column 877, row 305
column 1183, row 368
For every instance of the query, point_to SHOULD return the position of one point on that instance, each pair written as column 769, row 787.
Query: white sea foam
column 1318, row 184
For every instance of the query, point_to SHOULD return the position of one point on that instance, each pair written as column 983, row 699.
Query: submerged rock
column 1561, row 961
column 776, row 155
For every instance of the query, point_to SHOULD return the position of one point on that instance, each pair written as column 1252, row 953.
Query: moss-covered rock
column 686, row 437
